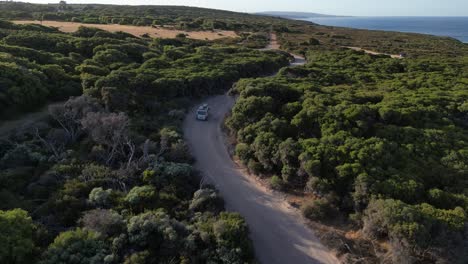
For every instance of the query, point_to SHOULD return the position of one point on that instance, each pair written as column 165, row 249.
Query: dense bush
column 186, row 18
column 43, row 66
column 319, row 210
column 109, row 176
column 108, row 173
column 17, row 229
column 364, row 127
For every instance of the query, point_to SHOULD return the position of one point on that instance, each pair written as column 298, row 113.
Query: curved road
column 277, row 230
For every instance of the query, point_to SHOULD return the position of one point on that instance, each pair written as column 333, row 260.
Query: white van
column 202, row 112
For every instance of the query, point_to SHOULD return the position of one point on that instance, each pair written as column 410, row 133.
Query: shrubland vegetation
column 188, row 18
column 302, row 37
column 107, row 178
column 34, row 75
column 383, row 141
column 378, row 141
column 41, row 64
column 293, row 35
column 253, row 30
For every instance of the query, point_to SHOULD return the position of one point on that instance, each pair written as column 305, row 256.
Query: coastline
column 441, row 26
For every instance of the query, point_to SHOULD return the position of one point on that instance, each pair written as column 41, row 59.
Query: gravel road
column 279, row 234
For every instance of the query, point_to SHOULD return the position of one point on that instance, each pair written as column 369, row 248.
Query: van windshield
column 201, row 112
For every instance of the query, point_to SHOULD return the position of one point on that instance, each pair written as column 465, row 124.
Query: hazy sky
column 334, row 7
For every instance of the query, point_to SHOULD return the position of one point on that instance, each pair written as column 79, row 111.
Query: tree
column 314, row 42
column 170, row 174
column 206, row 200
column 100, row 197
column 319, row 210
column 20, row 156
column 288, row 152
column 141, row 197
column 55, row 141
column 111, row 131
column 155, row 231
column 265, row 148
column 70, row 114
column 16, row 233
column 243, row 152
column 249, row 109
column 109, row 56
column 79, row 246
column 93, row 172
column 105, row 222
column 70, row 201
column 138, row 258
column 115, row 99
column 231, row 232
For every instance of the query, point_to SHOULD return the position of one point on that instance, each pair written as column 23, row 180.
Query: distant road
column 9, row 126
column 274, row 45
column 374, row 52
column 279, row 234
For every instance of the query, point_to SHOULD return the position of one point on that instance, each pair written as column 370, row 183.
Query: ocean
column 455, row 27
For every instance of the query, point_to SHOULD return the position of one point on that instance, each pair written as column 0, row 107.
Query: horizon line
column 245, row 12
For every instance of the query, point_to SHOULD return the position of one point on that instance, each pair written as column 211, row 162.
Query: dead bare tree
column 69, row 114
column 131, row 148
column 203, row 181
column 164, row 143
column 126, row 175
column 109, row 130
column 55, row 141
column 145, row 148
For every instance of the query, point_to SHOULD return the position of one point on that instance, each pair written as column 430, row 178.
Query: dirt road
column 274, row 45
column 9, row 126
column 394, row 56
column 279, row 234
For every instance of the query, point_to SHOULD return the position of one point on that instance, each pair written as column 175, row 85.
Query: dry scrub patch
column 157, row 32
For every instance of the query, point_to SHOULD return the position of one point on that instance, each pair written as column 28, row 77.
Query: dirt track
column 394, row 56
column 135, row 30
column 9, row 126
column 279, row 234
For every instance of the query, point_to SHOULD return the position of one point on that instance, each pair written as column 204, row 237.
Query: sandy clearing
column 374, row 52
column 134, row 30
column 273, row 42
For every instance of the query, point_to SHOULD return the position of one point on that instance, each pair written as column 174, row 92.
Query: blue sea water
column 455, row 27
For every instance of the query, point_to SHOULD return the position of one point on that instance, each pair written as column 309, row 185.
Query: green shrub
column 318, row 210
column 254, row 166
column 243, row 152
column 314, row 42
column 141, row 197
column 276, row 182
column 16, row 244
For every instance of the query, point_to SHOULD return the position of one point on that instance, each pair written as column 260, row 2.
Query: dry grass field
column 135, row 30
